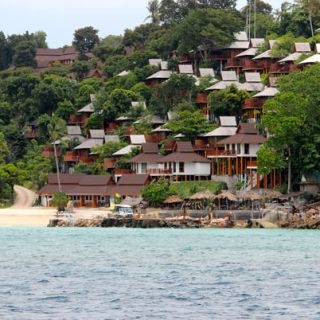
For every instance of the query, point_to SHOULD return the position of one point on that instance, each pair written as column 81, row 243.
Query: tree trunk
column 57, row 166
column 289, row 170
column 311, row 25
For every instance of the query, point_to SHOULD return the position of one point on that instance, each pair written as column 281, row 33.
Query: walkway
column 25, row 198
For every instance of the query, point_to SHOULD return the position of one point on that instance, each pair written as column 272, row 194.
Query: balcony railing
column 221, row 153
column 159, row 171
column 279, row 68
column 71, row 156
column 253, row 104
column 251, row 65
column 202, row 98
column 119, row 172
column 232, row 63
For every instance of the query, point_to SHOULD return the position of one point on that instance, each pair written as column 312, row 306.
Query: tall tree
column 153, row 8
column 85, row 39
column 56, row 129
column 25, row 53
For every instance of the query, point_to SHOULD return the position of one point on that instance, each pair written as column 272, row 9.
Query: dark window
column 246, row 149
column 181, row 167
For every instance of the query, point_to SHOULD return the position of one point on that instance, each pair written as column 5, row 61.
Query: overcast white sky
column 59, row 18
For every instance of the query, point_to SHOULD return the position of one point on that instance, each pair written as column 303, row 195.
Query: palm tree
column 153, row 8
column 56, row 129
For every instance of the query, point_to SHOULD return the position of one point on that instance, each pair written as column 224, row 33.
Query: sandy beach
column 40, row 217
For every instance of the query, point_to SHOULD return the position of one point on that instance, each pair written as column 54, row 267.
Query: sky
column 60, row 18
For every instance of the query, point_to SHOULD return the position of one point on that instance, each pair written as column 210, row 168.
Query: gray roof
column 135, row 104
column 263, row 55
column 87, row 109
column 97, row 134
column 137, row 139
column 74, row 130
column 160, row 129
column 272, row 43
column 251, row 52
column 257, row 42
column 162, row 74
column 252, row 76
column 155, row 62
column 291, row 57
column 123, row 118
column 229, row 76
column 302, row 47
column 222, row 132
column 221, row 85
column 241, row 36
column 164, row 65
column 252, row 86
column 313, row 59
column 90, row 143
column 124, row 151
column 204, row 72
column 111, row 138
column 123, row 73
column 239, row 45
column 185, row 68
column 267, row 92
column 229, row 121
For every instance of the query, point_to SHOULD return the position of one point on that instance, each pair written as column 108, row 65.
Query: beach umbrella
column 271, row 194
column 203, row 195
column 229, row 196
column 173, row 199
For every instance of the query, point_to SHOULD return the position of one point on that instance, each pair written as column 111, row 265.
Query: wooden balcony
column 233, row 63
column 252, row 164
column 253, row 104
column 221, row 153
column 71, row 156
column 159, row 171
column 249, row 64
column 202, row 98
column 48, row 152
column 120, row 172
column 277, row 68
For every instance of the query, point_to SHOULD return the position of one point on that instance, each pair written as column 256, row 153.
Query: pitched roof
column 136, row 104
column 267, row 92
column 291, row 57
column 150, row 147
column 185, row 68
column 241, row 138
column 228, row 121
column 124, row 151
column 313, row 59
column 204, row 72
column 183, row 146
column 137, row 139
column 252, row 76
column 183, row 157
column 239, row 45
column 256, row 42
column 123, row 73
column 241, row 36
column 247, row 128
column 97, row 133
column 164, row 65
column 222, row 132
column 87, row 109
column 302, row 47
column 65, row 178
column 263, row 55
column 146, row 158
column 133, row 179
column 162, row 74
column 228, row 76
column 252, row 86
column 251, row 52
column 74, row 130
column 90, row 143
column 111, row 138
column 160, row 129
column 96, row 180
column 155, row 62
column 221, row 85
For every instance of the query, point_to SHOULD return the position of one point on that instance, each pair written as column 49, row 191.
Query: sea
column 159, row 274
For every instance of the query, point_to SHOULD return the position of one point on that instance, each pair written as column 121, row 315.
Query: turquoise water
column 159, row 274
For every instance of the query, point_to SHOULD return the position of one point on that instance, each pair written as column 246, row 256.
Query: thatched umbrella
column 272, row 194
column 226, row 195
column 173, row 200
column 203, row 195
column 251, row 195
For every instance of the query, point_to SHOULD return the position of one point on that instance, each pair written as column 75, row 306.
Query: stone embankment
column 308, row 223
column 145, row 223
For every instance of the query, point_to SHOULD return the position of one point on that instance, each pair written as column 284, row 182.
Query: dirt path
column 25, row 198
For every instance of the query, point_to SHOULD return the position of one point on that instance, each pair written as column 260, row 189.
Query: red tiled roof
column 183, row 146
column 65, row 178
column 247, row 128
column 183, row 157
column 146, row 158
column 150, row 148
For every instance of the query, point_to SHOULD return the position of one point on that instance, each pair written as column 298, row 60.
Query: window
column 174, row 167
column 233, row 149
column 181, row 167
column 143, row 167
column 238, row 148
column 246, row 149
